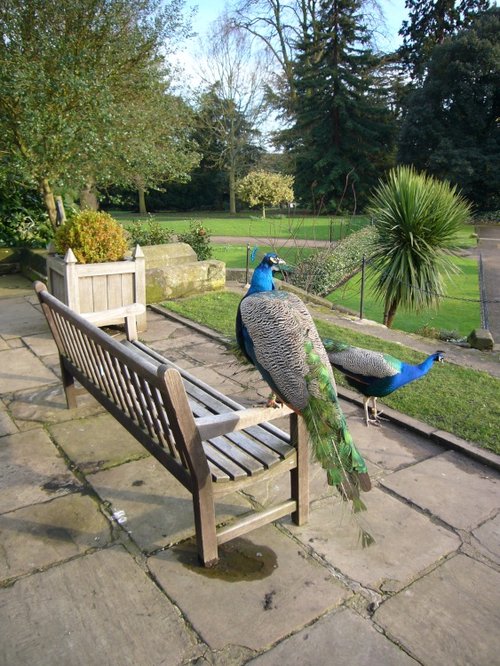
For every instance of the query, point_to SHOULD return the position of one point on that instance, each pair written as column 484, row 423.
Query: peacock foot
column 375, row 418
column 274, row 401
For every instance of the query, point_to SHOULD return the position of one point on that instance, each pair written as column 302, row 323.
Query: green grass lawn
column 460, row 400
column 455, row 313
column 234, row 256
column 250, row 224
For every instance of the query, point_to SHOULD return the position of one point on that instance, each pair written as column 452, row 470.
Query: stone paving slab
column 386, row 447
column 41, row 535
column 7, row 425
column 341, row 637
column 20, row 369
column 31, row 470
column 92, row 611
column 212, row 353
column 23, row 318
column 48, row 405
column 395, row 559
column 41, row 344
column 217, row 381
column 97, row 442
column 277, row 489
column 160, row 328
column 456, row 489
column 250, row 613
column 3, row 344
column 157, row 509
column 487, row 537
column 451, row 616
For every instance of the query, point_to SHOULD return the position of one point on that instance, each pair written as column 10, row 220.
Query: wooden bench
column 210, row 443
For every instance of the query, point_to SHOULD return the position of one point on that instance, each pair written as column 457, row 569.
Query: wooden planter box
column 94, row 287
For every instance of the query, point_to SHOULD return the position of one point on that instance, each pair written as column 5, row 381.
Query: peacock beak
column 278, row 260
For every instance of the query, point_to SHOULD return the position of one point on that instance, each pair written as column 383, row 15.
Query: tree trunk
column 88, row 197
column 142, row 199
column 232, row 192
column 263, row 211
column 50, row 203
column 390, row 312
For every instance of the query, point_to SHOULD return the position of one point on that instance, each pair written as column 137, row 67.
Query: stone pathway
column 97, row 567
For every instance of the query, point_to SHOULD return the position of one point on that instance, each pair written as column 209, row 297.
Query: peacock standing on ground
column 277, row 334
column 375, row 374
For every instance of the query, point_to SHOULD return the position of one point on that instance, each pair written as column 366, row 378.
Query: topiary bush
column 325, row 270
column 94, row 237
column 198, row 237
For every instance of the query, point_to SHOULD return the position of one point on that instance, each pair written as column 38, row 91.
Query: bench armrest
column 126, row 313
column 221, row 424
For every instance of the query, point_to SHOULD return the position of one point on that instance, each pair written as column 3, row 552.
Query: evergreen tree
column 451, row 128
column 429, row 23
column 343, row 135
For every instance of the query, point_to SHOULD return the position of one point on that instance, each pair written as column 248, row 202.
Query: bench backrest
column 130, row 387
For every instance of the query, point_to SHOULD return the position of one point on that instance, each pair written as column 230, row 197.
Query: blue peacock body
column 375, row 374
column 277, row 334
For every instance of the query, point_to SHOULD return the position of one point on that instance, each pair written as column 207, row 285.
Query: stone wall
column 173, row 271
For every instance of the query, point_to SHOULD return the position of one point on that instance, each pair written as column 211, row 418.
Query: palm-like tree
column 417, row 218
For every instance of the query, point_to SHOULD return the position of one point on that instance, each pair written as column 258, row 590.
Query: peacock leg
column 374, row 417
column 376, row 414
column 365, row 405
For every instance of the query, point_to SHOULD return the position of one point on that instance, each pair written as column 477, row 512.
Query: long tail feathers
column 331, row 440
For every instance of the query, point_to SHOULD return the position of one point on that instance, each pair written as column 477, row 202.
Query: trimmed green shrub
column 327, row 269
column 150, row 232
column 198, row 237
column 94, row 237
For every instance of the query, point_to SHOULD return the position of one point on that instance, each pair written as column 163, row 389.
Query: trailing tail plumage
column 331, row 440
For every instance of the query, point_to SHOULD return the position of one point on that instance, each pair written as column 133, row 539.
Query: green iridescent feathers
column 333, row 445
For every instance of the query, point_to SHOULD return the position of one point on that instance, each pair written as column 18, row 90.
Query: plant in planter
column 93, row 236
column 94, row 275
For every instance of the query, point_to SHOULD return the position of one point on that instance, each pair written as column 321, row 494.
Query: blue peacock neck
column 262, row 279
column 424, row 367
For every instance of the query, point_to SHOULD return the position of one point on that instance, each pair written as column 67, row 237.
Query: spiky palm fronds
column 417, row 218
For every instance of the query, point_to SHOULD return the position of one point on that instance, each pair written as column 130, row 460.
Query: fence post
column 247, row 284
column 363, row 264
column 482, row 295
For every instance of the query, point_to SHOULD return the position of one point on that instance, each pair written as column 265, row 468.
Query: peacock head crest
column 272, row 259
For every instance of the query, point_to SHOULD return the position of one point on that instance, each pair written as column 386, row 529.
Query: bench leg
column 69, row 386
column 299, row 477
column 204, row 519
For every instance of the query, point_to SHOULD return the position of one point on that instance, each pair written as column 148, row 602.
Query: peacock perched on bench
column 277, row 334
column 375, row 374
